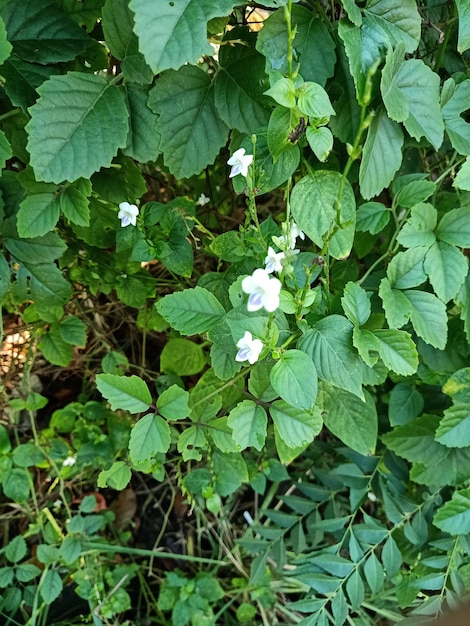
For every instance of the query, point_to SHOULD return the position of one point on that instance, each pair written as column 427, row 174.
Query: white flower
column 263, row 290
column 203, row 199
column 240, row 163
column 273, row 261
column 128, row 214
column 69, row 461
column 249, row 348
column 287, row 241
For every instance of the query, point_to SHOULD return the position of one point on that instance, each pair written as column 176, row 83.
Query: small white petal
column 128, row 214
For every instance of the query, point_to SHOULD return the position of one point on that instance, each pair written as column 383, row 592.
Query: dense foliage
column 244, row 228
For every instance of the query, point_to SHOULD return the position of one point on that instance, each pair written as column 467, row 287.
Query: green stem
column 106, row 548
column 290, row 38
column 9, row 114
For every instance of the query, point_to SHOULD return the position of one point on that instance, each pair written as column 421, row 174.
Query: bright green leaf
column 182, row 357
column 294, row 378
column 399, row 19
column 313, row 101
column 454, row 428
column 296, row 427
column 116, row 477
column 73, row 331
column 129, row 393
column 356, row 304
column 446, row 268
column 454, row 227
column 396, row 306
column 453, row 517
column 405, row 404
column 149, row 436
column 50, row 586
column 38, row 214
column 74, row 206
column 464, row 25
column 406, row 269
column 321, row 141
column 372, row 217
column 429, row 317
column 248, row 422
column 173, row 403
column 192, row 311
column 398, row 351
column 419, row 227
column 143, row 139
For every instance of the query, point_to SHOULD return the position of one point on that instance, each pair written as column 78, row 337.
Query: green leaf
column 129, row 393
column 16, row 485
column 446, row 268
column 73, row 331
column 75, row 206
column 355, row 590
column 27, row 572
column 329, row 345
column 248, row 422
column 367, row 345
column 454, row 227
column 5, row 45
column 283, row 92
column 296, row 427
column 381, row 155
column 464, row 25
column 372, row 217
column 76, row 111
column 173, row 403
column 410, row 91
column 399, row 19
column 149, row 436
column 192, row 311
column 190, row 439
column 71, row 549
column 55, row 349
column 116, row 477
column 454, row 516
column 6, row 577
column 191, row 131
column 319, row 191
column 230, row 472
column 415, row 441
column 182, row 357
column 39, row 250
column 294, row 378
column 356, row 304
column 175, row 34
column 415, row 192
column 406, row 269
column 453, row 430
column 47, row 554
column 405, row 404
column 462, row 180
column 419, row 227
column 5, row 148
column 313, row 101
column 458, row 386
column 429, row 317
column 321, row 141
column 50, row 586
column 374, row 573
column 16, row 550
column 239, row 94
column 38, row 214
column 143, row 139
column 398, row 351
column 317, row 62
column 353, row 11
column 43, row 33
column 396, row 306
column 49, row 288
column 454, row 100
column 27, row 455
column 352, row 420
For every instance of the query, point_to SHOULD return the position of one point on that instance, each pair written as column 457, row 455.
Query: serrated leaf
column 356, row 304
column 454, row 428
column 149, row 436
column 396, row 306
column 16, row 549
column 38, row 214
column 248, row 422
column 406, row 269
column 398, row 351
column 173, row 403
column 464, row 25
column 462, row 180
column 454, row 99
column 352, row 420
column 294, row 378
column 117, row 476
column 239, row 94
column 415, row 192
column 16, row 485
column 381, row 155
column 73, row 331
column 143, row 139
column 399, row 19
column 454, row 227
column 454, row 516
column 314, row 207
column 42, row 32
column 372, row 217
column 75, row 206
column 429, row 317
column 419, row 227
column 329, row 345
column 405, row 404
column 192, row 311
column 446, row 268
column 55, row 349
column 458, row 386
column 50, row 586
column 191, row 131
column 296, row 427
column 77, row 126
column 129, row 393
column 367, row 345
column 415, row 440
column 174, row 33
column 182, row 357
column 318, row 61
column 410, row 91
